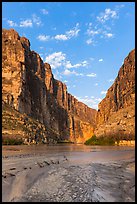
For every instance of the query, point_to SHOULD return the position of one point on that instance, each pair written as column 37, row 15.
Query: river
column 68, row 172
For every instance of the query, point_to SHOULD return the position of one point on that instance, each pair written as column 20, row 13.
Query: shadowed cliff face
column 29, row 86
column 116, row 114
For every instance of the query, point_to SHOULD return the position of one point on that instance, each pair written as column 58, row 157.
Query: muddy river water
column 68, row 173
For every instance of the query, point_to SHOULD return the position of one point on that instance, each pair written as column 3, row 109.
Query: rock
column 29, row 86
column 118, row 107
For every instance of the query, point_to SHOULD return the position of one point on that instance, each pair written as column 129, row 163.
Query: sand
column 64, row 178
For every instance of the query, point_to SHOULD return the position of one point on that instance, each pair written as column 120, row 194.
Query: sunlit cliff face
column 29, row 86
column 116, row 114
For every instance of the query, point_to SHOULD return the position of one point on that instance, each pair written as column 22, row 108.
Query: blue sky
column 84, row 42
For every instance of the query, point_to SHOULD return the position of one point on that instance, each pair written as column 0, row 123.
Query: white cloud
column 119, row 6
column 74, row 32
column 106, row 15
column 44, row 11
column 68, row 64
column 96, row 84
column 41, row 47
column 11, row 23
column 109, row 35
column 65, row 81
column 61, row 37
column 26, row 23
column 89, row 41
column 36, row 20
column 43, row 37
column 111, row 80
column 92, row 32
column 91, row 75
column 57, row 75
column 100, row 60
column 56, row 59
column 91, row 102
column 68, row 72
column 68, row 34
column 103, row 92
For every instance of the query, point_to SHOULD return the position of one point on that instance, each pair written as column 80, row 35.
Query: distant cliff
column 116, row 113
column 29, row 86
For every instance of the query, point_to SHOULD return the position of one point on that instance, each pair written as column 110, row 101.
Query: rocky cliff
column 116, row 113
column 28, row 86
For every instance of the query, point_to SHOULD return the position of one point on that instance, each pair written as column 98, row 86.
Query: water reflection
column 60, row 148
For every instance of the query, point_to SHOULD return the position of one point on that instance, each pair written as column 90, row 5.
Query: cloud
column 61, row 37
column 65, row 81
column 56, row 59
column 109, row 35
column 92, row 32
column 90, row 101
column 68, row 34
column 43, row 37
column 103, row 92
column 74, row 32
column 59, row 59
column 96, row 84
column 68, row 64
column 106, row 15
column 90, row 41
column 100, row 60
column 11, row 23
column 68, row 72
column 111, row 80
column 44, row 11
column 36, row 20
column 26, row 23
column 91, row 75
column 57, row 75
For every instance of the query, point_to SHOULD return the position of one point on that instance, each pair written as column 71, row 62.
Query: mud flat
column 91, row 175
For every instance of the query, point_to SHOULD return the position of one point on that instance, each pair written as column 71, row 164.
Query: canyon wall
column 116, row 112
column 28, row 85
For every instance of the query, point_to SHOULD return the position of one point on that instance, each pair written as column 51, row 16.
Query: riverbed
column 68, row 173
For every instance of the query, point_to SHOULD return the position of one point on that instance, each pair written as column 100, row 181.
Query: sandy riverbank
column 63, row 178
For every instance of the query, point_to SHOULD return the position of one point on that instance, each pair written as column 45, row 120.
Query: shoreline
column 65, row 178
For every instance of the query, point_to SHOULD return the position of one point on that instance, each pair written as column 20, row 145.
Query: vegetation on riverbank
column 12, row 141
column 100, row 141
column 111, row 140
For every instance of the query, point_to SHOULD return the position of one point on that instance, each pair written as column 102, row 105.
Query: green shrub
column 100, row 141
column 12, row 141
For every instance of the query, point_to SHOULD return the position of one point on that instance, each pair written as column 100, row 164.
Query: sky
column 84, row 42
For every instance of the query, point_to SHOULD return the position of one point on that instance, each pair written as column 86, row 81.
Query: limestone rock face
column 116, row 113
column 28, row 85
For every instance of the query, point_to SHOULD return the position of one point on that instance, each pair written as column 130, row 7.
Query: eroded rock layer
column 116, row 113
column 28, row 85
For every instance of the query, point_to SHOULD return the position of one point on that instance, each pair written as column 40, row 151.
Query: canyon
column 29, row 87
